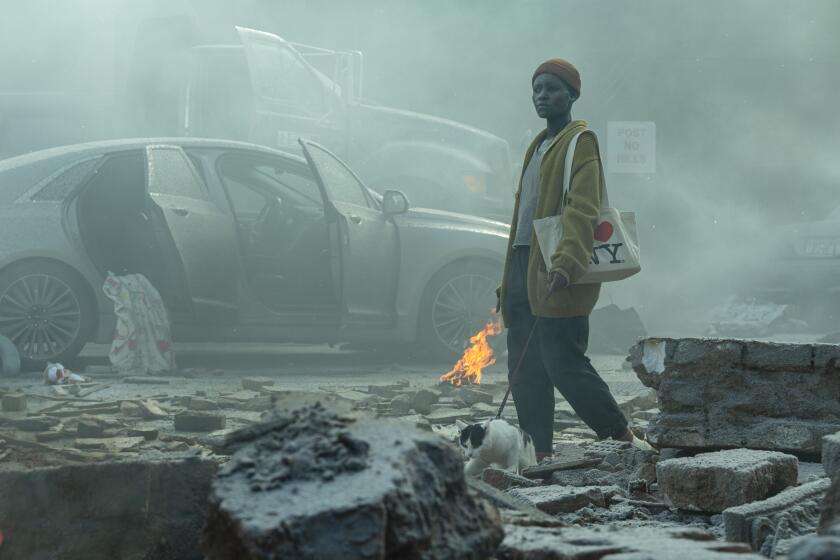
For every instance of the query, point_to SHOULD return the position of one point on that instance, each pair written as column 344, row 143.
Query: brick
column 199, row 422
column 14, row 402
column 555, row 498
column 774, row 357
column 713, row 482
column 711, row 353
column 795, row 509
column 256, row 383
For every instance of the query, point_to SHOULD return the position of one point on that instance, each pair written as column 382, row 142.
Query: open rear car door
column 203, row 236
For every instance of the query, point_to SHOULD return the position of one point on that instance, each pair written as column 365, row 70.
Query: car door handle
column 355, row 219
column 180, row 211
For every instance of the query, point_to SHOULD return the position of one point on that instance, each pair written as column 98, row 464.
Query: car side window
column 59, row 186
column 170, row 172
column 271, row 178
column 247, row 203
column 341, row 184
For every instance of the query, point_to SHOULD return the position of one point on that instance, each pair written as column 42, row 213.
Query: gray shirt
column 528, row 196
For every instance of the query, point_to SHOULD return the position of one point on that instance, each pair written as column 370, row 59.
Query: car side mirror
column 394, row 202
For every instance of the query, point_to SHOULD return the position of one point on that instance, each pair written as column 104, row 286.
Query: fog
column 741, row 94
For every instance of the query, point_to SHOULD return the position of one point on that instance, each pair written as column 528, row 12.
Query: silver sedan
column 244, row 243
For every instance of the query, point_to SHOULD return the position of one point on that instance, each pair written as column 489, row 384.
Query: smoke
column 742, row 95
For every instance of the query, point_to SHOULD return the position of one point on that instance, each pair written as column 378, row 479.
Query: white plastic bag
column 142, row 340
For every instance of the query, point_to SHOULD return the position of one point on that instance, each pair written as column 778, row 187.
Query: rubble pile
column 716, row 394
column 321, row 485
column 150, row 508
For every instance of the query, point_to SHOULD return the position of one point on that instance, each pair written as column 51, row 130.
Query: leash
column 518, row 366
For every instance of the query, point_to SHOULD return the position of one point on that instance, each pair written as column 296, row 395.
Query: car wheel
column 46, row 310
column 457, row 303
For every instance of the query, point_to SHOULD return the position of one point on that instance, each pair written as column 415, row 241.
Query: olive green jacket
column 579, row 219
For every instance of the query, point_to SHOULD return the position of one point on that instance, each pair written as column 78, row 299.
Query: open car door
column 290, row 99
column 368, row 240
column 203, row 236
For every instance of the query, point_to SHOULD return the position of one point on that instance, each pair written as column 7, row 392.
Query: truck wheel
column 457, row 303
column 9, row 357
column 46, row 310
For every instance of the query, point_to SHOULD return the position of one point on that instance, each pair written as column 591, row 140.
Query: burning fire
column 477, row 357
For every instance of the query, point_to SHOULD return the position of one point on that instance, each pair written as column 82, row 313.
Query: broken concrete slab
column 548, row 467
column 146, row 380
column 256, row 383
column 815, row 547
column 739, row 393
column 424, row 399
column 766, row 523
column 830, row 512
column 508, row 503
column 713, row 482
column 448, row 415
column 554, row 498
column 158, row 504
column 189, row 421
column 319, row 485
column 503, row 480
column 33, row 423
column 199, row 403
column 638, row 543
column 471, row 395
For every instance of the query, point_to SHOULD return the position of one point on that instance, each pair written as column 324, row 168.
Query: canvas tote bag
column 615, row 252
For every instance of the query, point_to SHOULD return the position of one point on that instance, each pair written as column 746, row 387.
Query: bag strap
column 567, row 174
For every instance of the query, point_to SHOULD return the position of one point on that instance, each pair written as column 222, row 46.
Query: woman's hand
column 556, row 281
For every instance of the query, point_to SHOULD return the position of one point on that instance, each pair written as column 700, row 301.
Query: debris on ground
column 717, row 394
column 321, row 485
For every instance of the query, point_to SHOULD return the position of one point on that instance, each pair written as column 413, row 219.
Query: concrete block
column 33, row 423
column 424, row 399
column 790, row 513
column 311, row 484
column 153, row 508
column 730, row 394
column 199, row 421
column 771, row 356
column 831, row 455
column 14, row 402
column 713, row 482
column 554, row 498
column 448, row 415
column 256, row 383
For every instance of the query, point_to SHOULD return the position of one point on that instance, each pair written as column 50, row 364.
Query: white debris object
column 57, row 374
column 142, row 340
column 653, row 356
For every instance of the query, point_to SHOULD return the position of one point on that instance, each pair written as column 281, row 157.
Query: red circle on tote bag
column 603, row 232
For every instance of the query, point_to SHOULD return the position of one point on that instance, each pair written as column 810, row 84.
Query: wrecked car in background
column 155, row 72
column 243, row 242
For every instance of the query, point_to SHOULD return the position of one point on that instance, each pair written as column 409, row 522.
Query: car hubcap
column 461, row 308
column 41, row 315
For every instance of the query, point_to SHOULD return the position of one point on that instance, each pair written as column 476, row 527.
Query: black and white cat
column 496, row 442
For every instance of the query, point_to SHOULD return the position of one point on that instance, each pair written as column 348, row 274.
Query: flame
column 475, row 358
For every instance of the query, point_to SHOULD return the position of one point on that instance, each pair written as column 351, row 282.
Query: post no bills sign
column 631, row 147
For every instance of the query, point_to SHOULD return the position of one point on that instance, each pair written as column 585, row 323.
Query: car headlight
column 476, row 183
